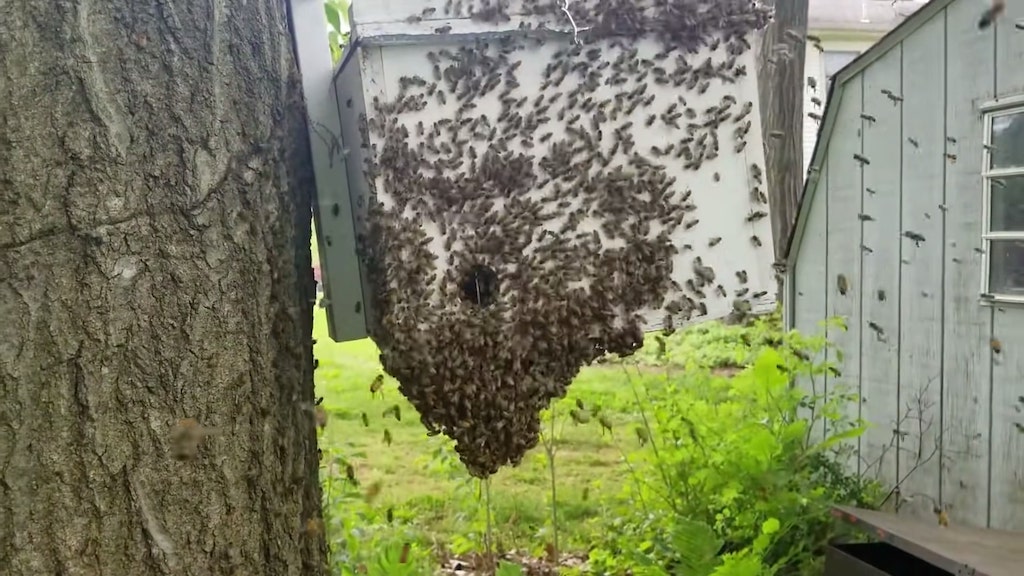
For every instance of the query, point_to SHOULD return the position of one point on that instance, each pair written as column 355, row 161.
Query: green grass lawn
column 421, row 479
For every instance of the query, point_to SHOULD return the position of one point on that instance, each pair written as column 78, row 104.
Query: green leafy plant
column 361, row 538
column 337, row 20
column 728, row 470
column 745, row 457
column 509, row 569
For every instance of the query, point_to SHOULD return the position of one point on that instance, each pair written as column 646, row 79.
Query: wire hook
column 575, row 29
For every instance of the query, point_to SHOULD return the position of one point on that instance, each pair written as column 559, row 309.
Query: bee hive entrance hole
column 480, row 285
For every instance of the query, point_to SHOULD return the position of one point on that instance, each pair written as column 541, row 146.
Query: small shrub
column 734, row 465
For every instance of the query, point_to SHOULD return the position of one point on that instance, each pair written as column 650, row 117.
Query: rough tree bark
column 155, row 184
column 780, row 79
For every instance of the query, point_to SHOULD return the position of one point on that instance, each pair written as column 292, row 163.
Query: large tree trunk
column 155, row 187
column 780, row 77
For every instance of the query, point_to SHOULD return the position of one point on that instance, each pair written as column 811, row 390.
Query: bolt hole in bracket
column 480, row 285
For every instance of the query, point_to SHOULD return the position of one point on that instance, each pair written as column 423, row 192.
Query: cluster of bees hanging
column 515, row 233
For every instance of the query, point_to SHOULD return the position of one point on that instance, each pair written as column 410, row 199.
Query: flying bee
column 395, row 411
column 642, row 435
column 372, row 491
column 579, row 416
column 320, row 415
column 376, row 385
column 186, row 437
column 314, row 527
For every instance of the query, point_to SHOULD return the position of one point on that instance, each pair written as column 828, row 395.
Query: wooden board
column 332, row 206
column 921, row 290
column 1006, row 493
column 351, row 103
column 956, row 549
column 731, row 232
column 880, row 260
column 967, row 329
column 810, row 284
column 1009, row 51
column 844, row 255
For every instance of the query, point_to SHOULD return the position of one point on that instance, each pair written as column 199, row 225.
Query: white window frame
column 990, row 111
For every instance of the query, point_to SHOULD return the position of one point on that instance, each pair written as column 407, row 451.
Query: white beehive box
column 634, row 159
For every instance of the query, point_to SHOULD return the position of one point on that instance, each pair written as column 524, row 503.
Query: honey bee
column 373, row 491
column 186, row 437
column 376, row 385
column 395, row 411
column 314, row 527
column 320, row 416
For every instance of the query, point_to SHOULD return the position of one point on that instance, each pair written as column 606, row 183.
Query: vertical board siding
column 1006, row 497
column 968, row 325
column 880, row 123
column 843, row 245
column 810, row 279
column 921, row 294
column 1009, row 50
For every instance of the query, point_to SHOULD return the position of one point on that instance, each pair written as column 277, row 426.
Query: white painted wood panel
column 729, row 228
column 844, row 239
column 810, row 279
column 968, row 325
column 921, row 290
column 880, row 123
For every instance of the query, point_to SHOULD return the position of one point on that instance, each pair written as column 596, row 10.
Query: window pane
column 834, row 61
column 1007, row 204
column 1006, row 275
column 1008, row 141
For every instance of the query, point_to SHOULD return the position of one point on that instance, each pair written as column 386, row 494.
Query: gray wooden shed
column 911, row 227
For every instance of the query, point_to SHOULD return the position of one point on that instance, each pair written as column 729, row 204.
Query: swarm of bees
column 481, row 348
